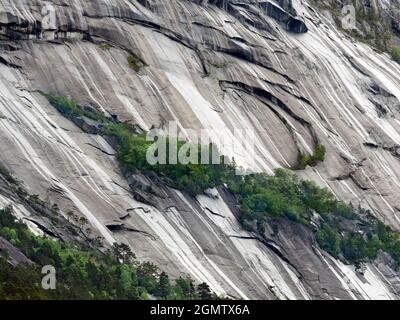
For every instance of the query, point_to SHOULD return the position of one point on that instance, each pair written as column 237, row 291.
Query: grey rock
column 294, row 90
column 13, row 255
column 88, row 125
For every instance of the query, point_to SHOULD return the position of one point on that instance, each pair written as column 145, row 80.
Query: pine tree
column 204, row 291
column 164, row 286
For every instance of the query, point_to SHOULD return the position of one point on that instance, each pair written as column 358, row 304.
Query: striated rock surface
column 277, row 67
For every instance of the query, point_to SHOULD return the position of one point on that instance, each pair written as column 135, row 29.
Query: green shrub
column 329, row 239
column 70, row 109
column 283, row 194
column 65, row 106
column 395, row 53
column 105, row 46
column 354, row 248
column 305, row 160
column 319, row 153
column 193, row 178
column 373, row 246
column 135, row 62
column 132, row 152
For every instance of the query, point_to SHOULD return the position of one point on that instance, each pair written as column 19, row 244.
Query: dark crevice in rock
column 235, row 50
column 173, row 207
column 44, row 229
column 145, row 210
column 393, row 149
column 354, row 167
column 241, row 40
column 357, row 66
column 344, row 176
column 119, row 227
column 100, row 149
column 352, row 176
column 143, row 197
column 268, row 99
column 9, row 63
column 255, row 91
column 289, row 90
column 381, row 110
column 283, row 13
column 125, row 216
column 270, row 244
column 288, row 19
column 121, row 186
column 358, row 183
column 215, row 213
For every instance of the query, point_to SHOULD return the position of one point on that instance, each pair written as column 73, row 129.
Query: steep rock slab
column 213, row 68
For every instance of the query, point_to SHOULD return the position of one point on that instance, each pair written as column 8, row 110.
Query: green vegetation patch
column 84, row 274
column 395, row 53
column 69, row 108
column 105, row 46
column 135, row 62
column 350, row 234
column 305, row 160
column 193, row 178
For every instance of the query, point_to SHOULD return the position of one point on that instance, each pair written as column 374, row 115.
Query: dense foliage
column 346, row 233
column 69, row 108
column 318, row 156
column 84, row 274
column 395, row 53
column 194, row 178
column 283, row 194
column 135, row 62
column 341, row 230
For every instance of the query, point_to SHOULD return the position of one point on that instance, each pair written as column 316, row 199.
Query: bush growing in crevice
column 318, row 156
column 105, row 46
column 395, row 53
column 135, row 62
column 70, row 109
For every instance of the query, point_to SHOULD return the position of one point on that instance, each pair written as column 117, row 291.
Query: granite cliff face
column 279, row 68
